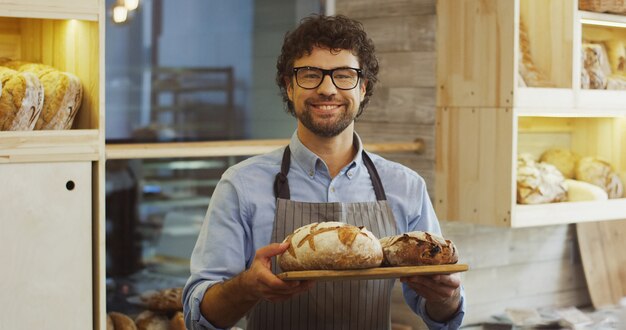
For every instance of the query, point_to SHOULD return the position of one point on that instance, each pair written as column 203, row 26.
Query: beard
column 325, row 128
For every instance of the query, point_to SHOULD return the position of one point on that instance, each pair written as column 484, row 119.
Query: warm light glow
column 131, row 4
column 602, row 23
column 120, row 14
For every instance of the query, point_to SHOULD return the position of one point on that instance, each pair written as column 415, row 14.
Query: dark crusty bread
column 149, row 320
column 165, row 300
column 330, row 245
column 110, row 325
column 177, row 322
column 418, row 248
column 122, row 321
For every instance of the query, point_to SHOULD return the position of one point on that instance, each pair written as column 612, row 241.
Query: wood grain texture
column 602, row 247
column 474, row 164
column 371, row 273
column 45, row 246
column 402, row 33
column 361, row 9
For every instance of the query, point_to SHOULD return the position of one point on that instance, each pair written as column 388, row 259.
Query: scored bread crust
column 331, row 246
column 418, row 248
column 122, row 321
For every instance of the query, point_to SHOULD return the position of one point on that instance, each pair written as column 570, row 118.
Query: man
column 326, row 73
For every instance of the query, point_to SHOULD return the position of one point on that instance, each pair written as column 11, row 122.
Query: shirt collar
column 309, row 160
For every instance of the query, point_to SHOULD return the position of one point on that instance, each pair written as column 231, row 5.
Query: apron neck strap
column 281, row 184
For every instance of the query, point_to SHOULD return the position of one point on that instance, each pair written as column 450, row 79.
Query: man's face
column 326, row 110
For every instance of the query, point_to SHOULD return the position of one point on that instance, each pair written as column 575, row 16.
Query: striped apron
column 357, row 304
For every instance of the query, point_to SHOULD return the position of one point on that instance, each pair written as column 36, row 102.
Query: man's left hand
column 442, row 294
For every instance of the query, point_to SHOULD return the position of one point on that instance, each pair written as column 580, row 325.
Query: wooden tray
column 371, row 273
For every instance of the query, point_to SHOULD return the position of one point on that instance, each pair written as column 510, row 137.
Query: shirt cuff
column 195, row 320
column 418, row 305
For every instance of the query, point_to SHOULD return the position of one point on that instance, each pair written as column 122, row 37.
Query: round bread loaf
column 331, row 245
column 177, row 322
column 564, row 160
column 122, row 321
column 110, row 325
column 148, row 320
column 164, row 300
column 538, row 182
column 418, row 248
column 601, row 174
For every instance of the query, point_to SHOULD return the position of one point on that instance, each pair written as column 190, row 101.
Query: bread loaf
column 165, row 300
column 148, row 320
column 63, row 94
column 564, row 160
column 331, row 245
column 538, row 182
column 418, row 248
column 21, row 100
column 122, row 321
column 177, row 322
column 601, row 174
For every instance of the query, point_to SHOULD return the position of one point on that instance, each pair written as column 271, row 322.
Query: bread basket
column 603, row 6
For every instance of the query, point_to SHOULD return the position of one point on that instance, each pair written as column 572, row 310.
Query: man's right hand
column 263, row 284
column 225, row 303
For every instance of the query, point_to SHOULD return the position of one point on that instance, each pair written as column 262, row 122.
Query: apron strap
column 281, row 184
column 378, row 185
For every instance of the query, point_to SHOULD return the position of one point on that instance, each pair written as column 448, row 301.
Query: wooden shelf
column 49, row 146
column 485, row 117
column 51, row 9
column 228, row 148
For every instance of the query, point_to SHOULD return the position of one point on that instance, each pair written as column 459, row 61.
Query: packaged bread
column 120, row 321
column 164, row 300
column 21, row 101
column 418, row 248
column 63, row 94
column 601, row 174
column 331, row 245
column 538, row 182
column 564, row 160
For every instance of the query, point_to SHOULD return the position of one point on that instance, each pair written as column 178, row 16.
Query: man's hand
column 225, row 303
column 442, row 294
column 263, row 284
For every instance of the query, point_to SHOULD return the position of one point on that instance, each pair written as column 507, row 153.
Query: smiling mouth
column 325, row 107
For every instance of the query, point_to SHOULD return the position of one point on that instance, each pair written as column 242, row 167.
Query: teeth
column 327, row 107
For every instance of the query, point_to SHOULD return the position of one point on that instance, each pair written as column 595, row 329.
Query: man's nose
column 327, row 87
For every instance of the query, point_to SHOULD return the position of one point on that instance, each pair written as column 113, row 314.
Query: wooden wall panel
column 528, row 267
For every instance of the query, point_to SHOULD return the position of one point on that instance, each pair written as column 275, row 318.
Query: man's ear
column 289, row 88
column 363, row 87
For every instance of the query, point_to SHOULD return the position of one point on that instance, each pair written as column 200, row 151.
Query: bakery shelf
column 568, row 212
column 49, row 146
column 509, row 77
column 52, row 9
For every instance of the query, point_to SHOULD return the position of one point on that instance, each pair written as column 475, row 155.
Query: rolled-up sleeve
column 219, row 256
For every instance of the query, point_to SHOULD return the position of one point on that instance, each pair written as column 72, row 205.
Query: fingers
column 264, row 283
column 271, row 250
column 434, row 288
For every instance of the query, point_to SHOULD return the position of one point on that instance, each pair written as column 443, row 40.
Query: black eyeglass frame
column 328, row 73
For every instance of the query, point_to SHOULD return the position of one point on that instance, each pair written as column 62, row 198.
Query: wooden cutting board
column 603, row 252
column 371, row 273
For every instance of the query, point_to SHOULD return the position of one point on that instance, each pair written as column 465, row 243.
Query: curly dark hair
column 331, row 32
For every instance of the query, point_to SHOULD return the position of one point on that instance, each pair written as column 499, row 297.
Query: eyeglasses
column 309, row 77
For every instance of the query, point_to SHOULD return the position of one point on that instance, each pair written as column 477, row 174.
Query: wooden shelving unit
column 485, row 117
column 52, row 237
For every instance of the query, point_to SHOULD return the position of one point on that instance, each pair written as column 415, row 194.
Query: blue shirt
column 240, row 216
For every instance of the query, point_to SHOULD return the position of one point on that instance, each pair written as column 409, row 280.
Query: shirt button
column 350, row 174
column 332, row 189
column 310, row 172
